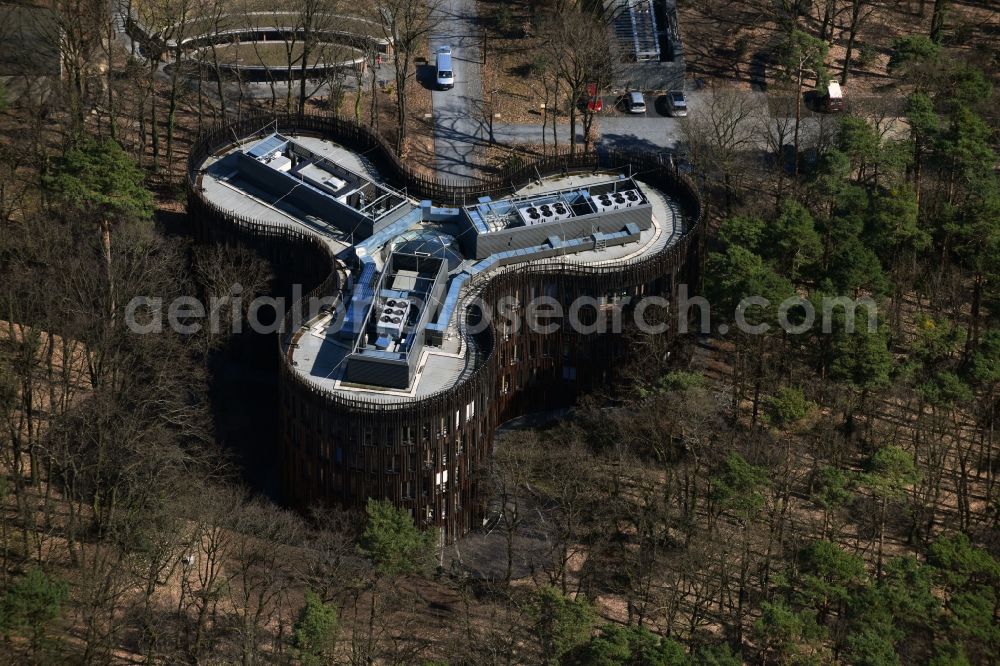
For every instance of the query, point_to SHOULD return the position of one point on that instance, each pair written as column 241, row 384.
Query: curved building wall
column 427, row 455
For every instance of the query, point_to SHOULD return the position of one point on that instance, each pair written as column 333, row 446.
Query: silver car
column 678, row 103
column 636, row 102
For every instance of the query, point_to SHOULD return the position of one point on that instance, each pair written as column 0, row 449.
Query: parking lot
column 616, row 106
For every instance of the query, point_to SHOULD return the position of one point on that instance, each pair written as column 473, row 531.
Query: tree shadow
column 629, row 142
column 426, row 76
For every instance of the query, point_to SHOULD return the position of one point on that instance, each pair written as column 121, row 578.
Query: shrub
column 866, row 56
column 505, row 20
column 913, row 49
column 315, row 631
column 32, row 604
column 788, row 406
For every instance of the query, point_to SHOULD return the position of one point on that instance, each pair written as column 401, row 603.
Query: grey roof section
column 348, row 199
column 577, row 250
column 224, row 186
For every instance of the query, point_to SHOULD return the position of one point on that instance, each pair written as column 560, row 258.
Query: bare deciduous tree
column 405, row 23
column 580, row 51
column 722, row 135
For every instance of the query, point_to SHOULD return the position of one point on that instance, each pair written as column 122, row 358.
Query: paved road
column 457, row 112
column 636, row 133
column 652, row 131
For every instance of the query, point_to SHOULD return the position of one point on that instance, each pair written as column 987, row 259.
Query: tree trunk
column 798, row 119
column 572, row 124
column 851, row 38
column 106, row 247
column 555, row 118
column 154, row 124
column 937, row 20
column 881, row 537
column 825, row 28
column 306, row 48
column 172, row 109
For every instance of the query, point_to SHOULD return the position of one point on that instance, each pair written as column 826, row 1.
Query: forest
column 809, row 497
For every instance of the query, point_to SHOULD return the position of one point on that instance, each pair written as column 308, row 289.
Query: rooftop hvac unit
column 547, row 212
column 616, row 200
column 392, row 318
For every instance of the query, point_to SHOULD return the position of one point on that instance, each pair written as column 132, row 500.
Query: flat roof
column 223, row 185
column 292, row 165
column 320, row 358
column 320, row 350
column 528, row 208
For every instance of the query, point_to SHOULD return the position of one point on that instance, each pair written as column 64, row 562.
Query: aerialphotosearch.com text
column 542, row 314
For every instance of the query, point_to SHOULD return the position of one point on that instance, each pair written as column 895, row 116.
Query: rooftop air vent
column 610, row 201
column 538, row 213
column 393, row 318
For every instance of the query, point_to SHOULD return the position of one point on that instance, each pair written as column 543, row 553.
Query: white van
column 445, row 73
column 833, row 100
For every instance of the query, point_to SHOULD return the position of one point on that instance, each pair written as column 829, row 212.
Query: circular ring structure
column 269, row 40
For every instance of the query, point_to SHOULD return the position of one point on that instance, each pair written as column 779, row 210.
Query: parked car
column 445, row 72
column 833, row 100
column 635, row 102
column 677, row 103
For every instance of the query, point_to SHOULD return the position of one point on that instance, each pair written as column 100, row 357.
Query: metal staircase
column 634, row 26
